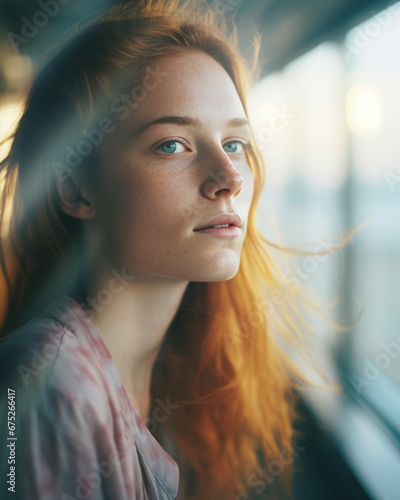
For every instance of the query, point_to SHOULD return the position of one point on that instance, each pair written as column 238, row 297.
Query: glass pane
column 299, row 122
column 328, row 127
column 373, row 115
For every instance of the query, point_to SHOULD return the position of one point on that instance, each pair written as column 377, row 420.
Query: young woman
column 139, row 359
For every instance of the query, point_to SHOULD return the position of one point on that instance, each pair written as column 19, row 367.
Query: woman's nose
column 223, row 178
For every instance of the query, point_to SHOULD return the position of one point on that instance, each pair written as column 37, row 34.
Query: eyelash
column 245, row 145
column 174, row 139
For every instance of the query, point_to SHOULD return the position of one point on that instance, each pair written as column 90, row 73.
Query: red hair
column 221, row 361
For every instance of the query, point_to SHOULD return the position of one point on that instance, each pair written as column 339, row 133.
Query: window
column 328, row 126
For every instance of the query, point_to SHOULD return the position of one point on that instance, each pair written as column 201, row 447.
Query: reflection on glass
column 328, row 127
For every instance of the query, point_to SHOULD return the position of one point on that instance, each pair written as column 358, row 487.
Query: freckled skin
column 149, row 201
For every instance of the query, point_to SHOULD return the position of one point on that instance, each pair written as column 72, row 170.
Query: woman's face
column 157, row 183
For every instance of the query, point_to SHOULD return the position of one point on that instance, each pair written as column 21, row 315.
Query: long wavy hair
column 222, row 361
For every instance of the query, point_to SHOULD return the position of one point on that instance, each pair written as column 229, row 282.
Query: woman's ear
column 74, row 198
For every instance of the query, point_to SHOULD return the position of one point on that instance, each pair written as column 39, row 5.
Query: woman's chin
column 221, row 274
column 222, row 268
column 222, row 277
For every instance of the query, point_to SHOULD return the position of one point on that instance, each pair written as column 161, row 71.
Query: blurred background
column 326, row 114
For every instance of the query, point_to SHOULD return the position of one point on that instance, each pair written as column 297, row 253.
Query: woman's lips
column 221, row 220
column 221, row 232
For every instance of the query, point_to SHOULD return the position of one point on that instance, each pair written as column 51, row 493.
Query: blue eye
column 171, row 146
column 232, row 146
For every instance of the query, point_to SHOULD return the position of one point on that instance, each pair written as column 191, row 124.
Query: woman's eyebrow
column 184, row 121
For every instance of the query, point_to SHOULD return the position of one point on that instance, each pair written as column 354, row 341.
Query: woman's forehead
column 189, row 84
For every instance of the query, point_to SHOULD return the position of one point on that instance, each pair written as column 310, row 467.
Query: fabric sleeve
column 66, row 446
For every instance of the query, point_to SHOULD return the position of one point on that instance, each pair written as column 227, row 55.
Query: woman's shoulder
column 44, row 356
column 55, row 402
column 32, row 350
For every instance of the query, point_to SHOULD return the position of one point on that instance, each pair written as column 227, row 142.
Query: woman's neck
column 132, row 314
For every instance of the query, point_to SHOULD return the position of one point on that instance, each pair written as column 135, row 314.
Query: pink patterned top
column 78, row 434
